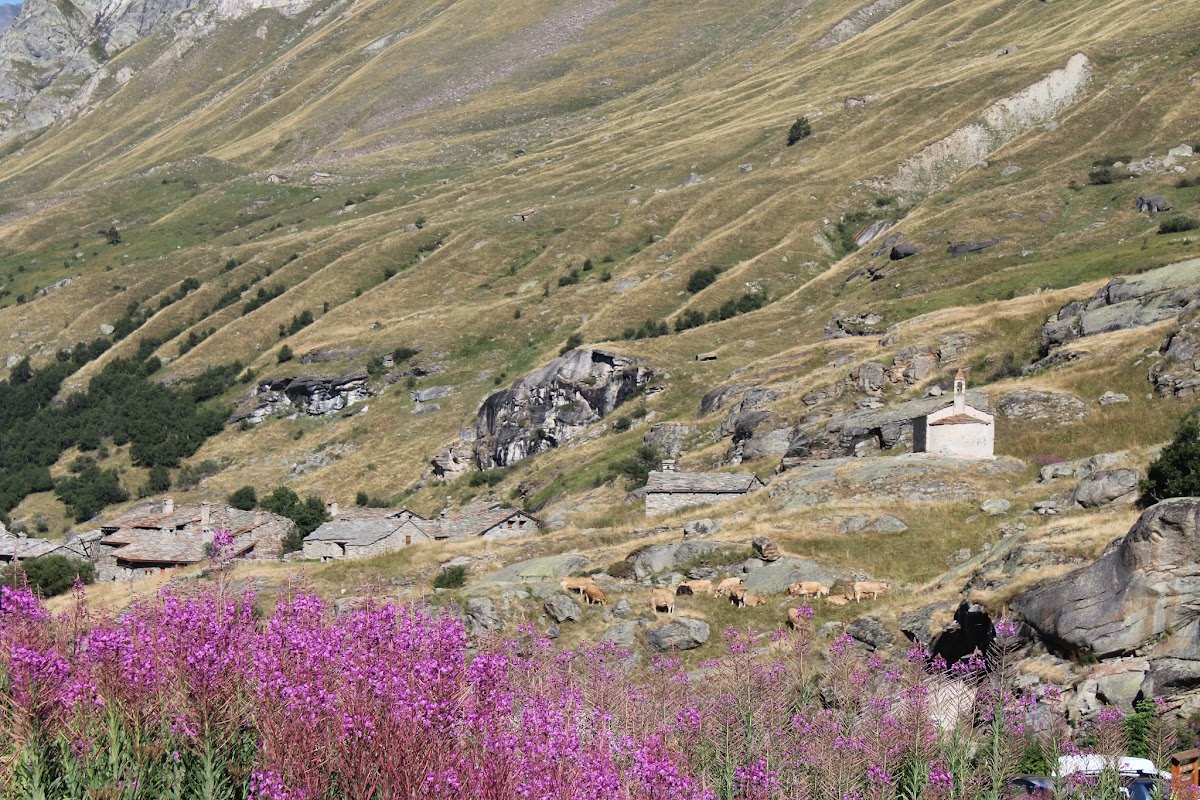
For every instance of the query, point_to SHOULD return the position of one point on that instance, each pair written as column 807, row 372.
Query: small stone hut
column 956, row 430
column 668, row 490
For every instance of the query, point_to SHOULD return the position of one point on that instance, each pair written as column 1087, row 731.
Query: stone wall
column 502, row 531
column 970, row 441
column 658, row 503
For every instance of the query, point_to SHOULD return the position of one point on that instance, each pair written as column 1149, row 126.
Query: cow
column 795, row 618
column 663, row 598
column 694, row 587
column 737, row 596
column 728, row 585
column 808, row 589
column 1152, row 203
column 872, row 588
column 753, row 599
column 838, row 599
column 576, row 584
column 594, row 595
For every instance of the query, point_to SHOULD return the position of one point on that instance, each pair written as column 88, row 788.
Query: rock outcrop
column 1105, row 487
column 1177, row 373
column 54, row 56
column 553, row 405
column 304, row 394
column 1142, row 593
column 684, row 633
column 1126, row 303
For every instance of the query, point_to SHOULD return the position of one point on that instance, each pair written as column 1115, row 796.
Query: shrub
column 1178, row 224
column 1187, row 183
column 489, row 477
column 158, row 481
column 1106, row 175
column 1176, row 472
column 244, row 499
column 635, row 470
column 573, row 341
column 285, row 354
column 801, row 129
column 402, row 354
column 701, row 279
column 621, row 570
column 622, row 424
column 451, row 578
column 308, row 514
column 87, row 494
column 50, row 575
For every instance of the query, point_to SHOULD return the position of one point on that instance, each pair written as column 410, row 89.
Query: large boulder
column 562, row 608
column 1126, row 303
column 1107, row 486
column 684, row 633
column 1033, row 405
column 669, row 438
column 661, row 557
column 546, row 568
column 870, row 632
column 554, row 404
column 1145, row 586
column 776, row 576
column 481, row 617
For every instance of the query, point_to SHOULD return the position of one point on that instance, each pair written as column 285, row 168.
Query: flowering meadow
column 195, row 695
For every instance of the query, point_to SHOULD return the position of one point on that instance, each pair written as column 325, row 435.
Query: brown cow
column 726, row 586
column 838, row 599
column 872, row 588
column 753, row 599
column 694, row 587
column 795, row 618
column 737, row 596
column 594, row 595
column 577, row 584
column 663, row 598
column 808, row 589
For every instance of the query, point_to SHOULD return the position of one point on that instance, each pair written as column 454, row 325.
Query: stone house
column 363, row 532
column 366, row 532
column 151, row 537
column 957, row 429
column 668, row 490
column 486, row 520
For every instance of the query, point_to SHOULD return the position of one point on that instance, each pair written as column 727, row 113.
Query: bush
column 621, row 570
column 1178, row 224
column 1106, row 175
column 489, row 477
column 402, row 354
column 50, row 575
column 87, row 494
column 635, row 470
column 451, row 578
column 573, row 341
column 244, row 499
column 308, row 515
column 801, row 129
column 622, row 424
column 158, row 481
column 1176, row 472
column 701, row 279
column 285, row 354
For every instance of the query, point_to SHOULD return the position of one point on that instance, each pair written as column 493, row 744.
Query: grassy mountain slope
column 595, row 113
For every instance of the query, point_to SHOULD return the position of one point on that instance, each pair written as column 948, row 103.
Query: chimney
column 668, row 465
column 331, row 508
column 205, row 514
column 168, row 506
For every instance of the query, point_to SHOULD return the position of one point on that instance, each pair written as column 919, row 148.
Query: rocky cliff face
column 8, row 13
column 304, row 394
column 1141, row 595
column 554, row 405
column 53, row 51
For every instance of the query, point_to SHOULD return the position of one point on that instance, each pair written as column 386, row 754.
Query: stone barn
column 363, row 532
column 668, row 491
column 486, row 520
column 956, row 430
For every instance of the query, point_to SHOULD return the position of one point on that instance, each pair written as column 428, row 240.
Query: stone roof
column 12, row 546
column 143, row 536
column 960, row 419
column 671, row 482
column 476, row 519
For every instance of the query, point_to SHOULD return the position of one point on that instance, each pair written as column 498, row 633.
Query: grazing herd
column 663, row 600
